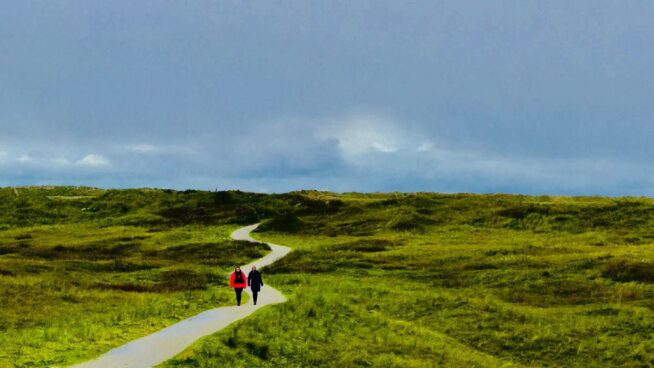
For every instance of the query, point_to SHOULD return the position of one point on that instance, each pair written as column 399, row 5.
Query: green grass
column 469, row 281
column 71, row 292
column 75, row 284
column 378, row 279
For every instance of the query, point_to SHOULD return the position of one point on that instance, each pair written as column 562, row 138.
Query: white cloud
column 381, row 147
column 23, row 159
column 426, row 146
column 141, row 148
column 94, row 160
column 361, row 134
column 43, row 162
column 151, row 149
column 6, row 158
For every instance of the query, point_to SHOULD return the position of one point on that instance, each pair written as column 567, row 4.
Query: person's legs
column 238, row 295
column 254, row 296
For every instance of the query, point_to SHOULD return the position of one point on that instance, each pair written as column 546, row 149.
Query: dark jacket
column 254, row 280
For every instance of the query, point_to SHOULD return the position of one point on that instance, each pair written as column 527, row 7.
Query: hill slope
column 382, row 279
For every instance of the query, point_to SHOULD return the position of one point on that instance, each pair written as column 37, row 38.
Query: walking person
column 255, row 283
column 238, row 281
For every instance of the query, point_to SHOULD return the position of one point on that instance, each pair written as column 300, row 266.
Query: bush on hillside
column 522, row 211
column 284, row 222
column 625, row 271
column 364, row 245
column 409, row 220
column 246, row 215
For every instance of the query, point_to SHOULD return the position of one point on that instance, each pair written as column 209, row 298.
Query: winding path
column 162, row 345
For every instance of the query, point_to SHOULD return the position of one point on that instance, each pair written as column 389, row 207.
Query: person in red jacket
column 238, row 281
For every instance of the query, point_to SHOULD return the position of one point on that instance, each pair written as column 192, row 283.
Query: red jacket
column 232, row 281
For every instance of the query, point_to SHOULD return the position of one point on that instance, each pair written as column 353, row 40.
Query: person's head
column 254, row 268
column 237, row 269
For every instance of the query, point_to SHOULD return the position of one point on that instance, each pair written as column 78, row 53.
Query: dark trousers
column 254, row 296
column 238, row 295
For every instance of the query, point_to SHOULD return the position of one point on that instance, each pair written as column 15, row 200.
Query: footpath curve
column 162, row 345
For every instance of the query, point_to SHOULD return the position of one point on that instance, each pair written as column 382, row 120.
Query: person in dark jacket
column 238, row 281
column 255, row 283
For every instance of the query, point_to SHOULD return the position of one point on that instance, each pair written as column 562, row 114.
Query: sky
column 521, row 96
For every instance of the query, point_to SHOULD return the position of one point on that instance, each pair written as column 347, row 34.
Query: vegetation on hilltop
column 375, row 279
column 467, row 280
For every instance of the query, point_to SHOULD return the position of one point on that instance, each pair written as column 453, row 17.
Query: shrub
column 284, row 222
column 171, row 281
column 624, row 271
column 246, row 215
column 124, row 287
column 180, row 280
column 364, row 245
column 6, row 273
column 409, row 220
column 300, row 261
column 522, row 211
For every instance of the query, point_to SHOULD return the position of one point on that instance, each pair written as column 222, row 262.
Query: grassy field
column 380, row 280
column 75, row 283
column 425, row 280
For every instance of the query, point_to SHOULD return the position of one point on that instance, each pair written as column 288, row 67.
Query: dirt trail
column 162, row 345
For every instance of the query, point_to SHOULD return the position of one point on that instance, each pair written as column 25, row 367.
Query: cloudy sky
column 454, row 96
